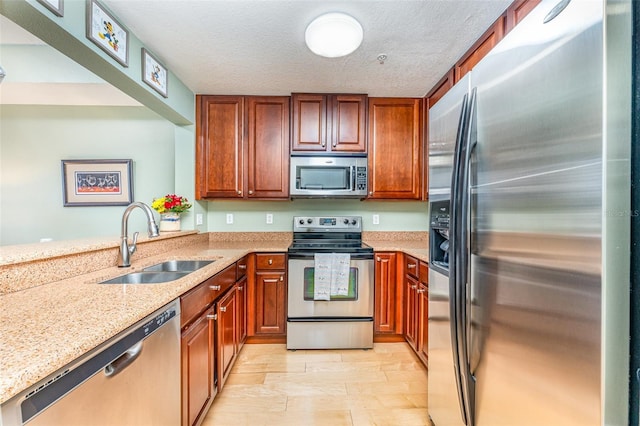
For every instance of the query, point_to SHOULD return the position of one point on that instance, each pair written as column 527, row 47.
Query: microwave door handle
column 353, row 178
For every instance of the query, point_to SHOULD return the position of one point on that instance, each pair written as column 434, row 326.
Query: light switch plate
column 229, row 218
column 376, row 219
column 269, row 218
column 199, row 219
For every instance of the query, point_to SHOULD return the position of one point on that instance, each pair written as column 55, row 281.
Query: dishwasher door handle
column 123, row 360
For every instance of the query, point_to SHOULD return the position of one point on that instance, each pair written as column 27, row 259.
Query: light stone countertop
column 48, row 326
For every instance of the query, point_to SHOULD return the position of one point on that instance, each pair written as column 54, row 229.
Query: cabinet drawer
column 411, row 266
column 192, row 303
column 270, row 261
column 424, row 272
column 198, row 298
column 241, row 268
column 222, row 281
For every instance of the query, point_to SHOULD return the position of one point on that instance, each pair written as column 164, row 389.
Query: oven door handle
column 310, row 256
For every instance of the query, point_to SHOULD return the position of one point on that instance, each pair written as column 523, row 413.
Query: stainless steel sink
column 179, row 266
column 147, row 277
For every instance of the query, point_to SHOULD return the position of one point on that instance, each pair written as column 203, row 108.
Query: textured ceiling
column 257, row 46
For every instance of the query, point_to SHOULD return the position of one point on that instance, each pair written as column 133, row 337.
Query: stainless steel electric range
column 340, row 320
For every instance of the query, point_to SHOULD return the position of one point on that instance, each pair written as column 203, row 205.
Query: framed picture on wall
column 107, row 33
column 154, row 73
column 56, row 6
column 97, row 182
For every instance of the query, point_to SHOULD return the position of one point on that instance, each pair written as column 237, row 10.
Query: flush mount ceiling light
column 333, row 35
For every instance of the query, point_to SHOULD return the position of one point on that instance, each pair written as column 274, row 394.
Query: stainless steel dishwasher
column 132, row 379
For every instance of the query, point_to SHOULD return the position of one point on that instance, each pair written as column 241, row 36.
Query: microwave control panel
column 361, row 178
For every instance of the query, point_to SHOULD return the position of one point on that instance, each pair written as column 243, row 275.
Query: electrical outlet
column 376, row 219
column 229, row 218
column 199, row 219
column 269, row 218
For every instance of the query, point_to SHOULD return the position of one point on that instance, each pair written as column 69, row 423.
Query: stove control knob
column 353, row 221
column 309, row 221
column 346, row 221
column 301, row 221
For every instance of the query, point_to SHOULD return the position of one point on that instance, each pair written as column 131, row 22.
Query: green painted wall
column 250, row 216
column 34, row 140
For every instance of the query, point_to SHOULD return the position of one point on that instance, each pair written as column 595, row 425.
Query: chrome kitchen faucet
column 124, row 257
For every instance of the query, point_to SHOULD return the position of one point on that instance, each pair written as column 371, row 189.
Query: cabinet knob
column 214, row 287
column 421, row 290
column 223, row 309
column 242, row 266
column 212, row 317
column 370, row 192
column 270, row 262
column 378, row 259
column 239, row 192
column 240, row 288
column 335, row 144
column 281, row 278
column 250, row 192
column 411, row 265
column 413, row 287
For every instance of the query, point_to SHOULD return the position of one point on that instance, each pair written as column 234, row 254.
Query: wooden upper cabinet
column 395, row 148
column 440, row 89
column 481, row 47
column 219, row 151
column 517, row 11
column 268, row 147
column 242, row 148
column 325, row 123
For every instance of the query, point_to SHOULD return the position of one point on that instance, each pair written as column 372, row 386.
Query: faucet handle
column 132, row 247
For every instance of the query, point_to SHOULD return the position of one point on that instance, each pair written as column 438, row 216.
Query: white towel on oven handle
column 322, row 276
column 341, row 263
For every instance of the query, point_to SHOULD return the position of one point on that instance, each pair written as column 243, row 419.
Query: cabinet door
column 241, row 311
column 271, row 312
column 517, row 11
column 384, row 315
column 348, row 123
column 198, row 365
column 309, row 122
column 219, row 151
column 395, row 147
column 227, row 347
column 423, row 326
column 480, row 49
column 411, row 311
column 268, row 147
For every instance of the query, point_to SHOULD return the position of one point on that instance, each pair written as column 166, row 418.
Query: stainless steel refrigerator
column 529, row 174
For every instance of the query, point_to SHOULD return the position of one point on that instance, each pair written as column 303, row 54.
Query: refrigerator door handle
column 463, row 299
column 454, row 254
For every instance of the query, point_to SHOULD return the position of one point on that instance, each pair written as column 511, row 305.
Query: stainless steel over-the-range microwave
column 340, row 177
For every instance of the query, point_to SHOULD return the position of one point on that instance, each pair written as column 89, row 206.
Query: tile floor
column 269, row 385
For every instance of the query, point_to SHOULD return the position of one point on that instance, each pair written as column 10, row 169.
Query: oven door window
column 353, row 285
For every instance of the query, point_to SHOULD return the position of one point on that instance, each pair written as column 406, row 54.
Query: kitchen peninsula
column 53, row 306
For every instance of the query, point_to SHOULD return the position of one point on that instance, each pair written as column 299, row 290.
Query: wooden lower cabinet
column 411, row 311
column 423, row 326
column 423, row 313
column 271, row 310
column 416, row 305
column 198, row 368
column 387, row 314
column 241, row 312
column 226, row 334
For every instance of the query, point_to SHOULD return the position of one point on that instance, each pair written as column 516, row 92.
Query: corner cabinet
column 329, row 123
column 395, row 148
column 242, row 147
